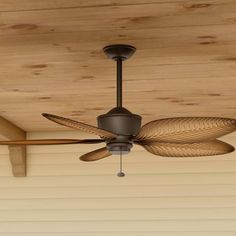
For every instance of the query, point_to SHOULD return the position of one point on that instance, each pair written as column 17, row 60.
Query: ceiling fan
column 119, row 129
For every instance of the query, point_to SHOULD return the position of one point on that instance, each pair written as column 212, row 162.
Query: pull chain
column 121, row 173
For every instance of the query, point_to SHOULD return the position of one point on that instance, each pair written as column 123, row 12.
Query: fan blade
column 210, row 148
column 186, row 129
column 51, row 141
column 96, row 155
column 80, row 126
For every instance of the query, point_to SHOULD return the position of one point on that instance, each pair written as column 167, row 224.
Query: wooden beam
column 17, row 153
column 17, row 156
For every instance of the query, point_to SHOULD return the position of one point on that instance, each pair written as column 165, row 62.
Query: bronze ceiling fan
column 119, row 129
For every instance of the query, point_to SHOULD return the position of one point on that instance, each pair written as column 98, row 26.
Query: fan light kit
column 119, row 129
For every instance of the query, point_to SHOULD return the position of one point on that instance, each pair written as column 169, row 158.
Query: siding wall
column 166, row 197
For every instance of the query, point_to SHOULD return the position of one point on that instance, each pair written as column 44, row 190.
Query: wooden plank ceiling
column 52, row 61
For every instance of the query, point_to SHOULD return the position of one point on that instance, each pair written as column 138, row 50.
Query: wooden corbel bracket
column 17, row 154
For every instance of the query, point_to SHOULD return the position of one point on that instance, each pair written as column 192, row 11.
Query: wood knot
column 197, row 5
column 24, row 26
column 37, row 66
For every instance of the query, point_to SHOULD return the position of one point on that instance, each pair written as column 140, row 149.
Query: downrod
column 119, row 82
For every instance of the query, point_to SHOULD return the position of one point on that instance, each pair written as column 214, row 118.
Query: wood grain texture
column 52, row 60
column 17, row 154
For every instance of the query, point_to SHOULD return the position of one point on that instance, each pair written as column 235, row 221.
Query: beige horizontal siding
column 117, row 203
column 118, row 226
column 118, row 191
column 145, row 214
column 159, row 196
column 131, row 180
column 133, row 233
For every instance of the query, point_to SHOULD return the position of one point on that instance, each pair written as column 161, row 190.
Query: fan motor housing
column 123, row 123
column 120, row 121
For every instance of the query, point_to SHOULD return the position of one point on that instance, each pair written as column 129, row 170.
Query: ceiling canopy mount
column 119, row 51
